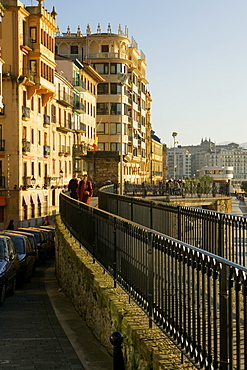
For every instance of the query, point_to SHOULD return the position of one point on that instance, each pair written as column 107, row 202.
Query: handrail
column 197, row 298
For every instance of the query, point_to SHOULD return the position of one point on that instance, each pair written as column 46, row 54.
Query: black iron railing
column 219, row 233
column 197, row 298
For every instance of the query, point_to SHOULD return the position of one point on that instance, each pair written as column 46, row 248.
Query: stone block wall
column 107, row 309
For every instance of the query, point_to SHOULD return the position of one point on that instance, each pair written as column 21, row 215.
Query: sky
column 196, row 51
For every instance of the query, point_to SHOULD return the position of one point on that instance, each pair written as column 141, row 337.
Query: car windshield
column 19, row 244
column 2, row 250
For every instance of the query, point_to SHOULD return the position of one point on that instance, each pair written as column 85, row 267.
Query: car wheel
column 12, row 290
column 2, row 294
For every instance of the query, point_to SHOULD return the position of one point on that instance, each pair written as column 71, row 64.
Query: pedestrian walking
column 85, row 190
column 73, row 186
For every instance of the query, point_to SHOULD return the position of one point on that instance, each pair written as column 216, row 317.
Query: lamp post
column 174, row 135
column 122, row 78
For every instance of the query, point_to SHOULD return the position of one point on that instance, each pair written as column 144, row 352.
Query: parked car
column 33, row 243
column 50, row 240
column 9, row 266
column 40, row 239
column 51, row 228
column 26, row 255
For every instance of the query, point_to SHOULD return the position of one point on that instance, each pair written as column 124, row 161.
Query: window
column 103, row 89
column 105, row 48
column 32, row 135
column 102, row 128
column 115, row 108
column 39, row 169
column 116, row 88
column 115, row 147
column 39, row 137
column 53, row 113
column 33, row 34
column 115, row 129
column 39, row 105
column 74, row 49
column 102, row 108
column 115, row 68
column 101, row 68
column 32, row 103
column 33, row 67
column 102, row 146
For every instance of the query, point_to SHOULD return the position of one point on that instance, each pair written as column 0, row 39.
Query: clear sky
column 196, row 51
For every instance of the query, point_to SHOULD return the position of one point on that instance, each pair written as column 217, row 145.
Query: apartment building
column 27, row 44
column 84, row 80
column 178, row 163
column 123, row 102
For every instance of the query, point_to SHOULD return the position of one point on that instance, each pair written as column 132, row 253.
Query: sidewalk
column 41, row 330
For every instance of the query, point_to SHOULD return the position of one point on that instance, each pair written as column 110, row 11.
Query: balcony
column 25, row 113
column 61, row 151
column 79, row 107
column 81, row 127
column 47, row 150
column 117, row 55
column 27, row 77
column 47, row 182
column 47, row 120
column 79, row 84
column 26, row 146
column 67, row 151
column 2, row 145
column 79, row 150
column 27, row 42
column 26, row 182
column 64, row 98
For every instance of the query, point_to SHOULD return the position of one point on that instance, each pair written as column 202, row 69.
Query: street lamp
column 174, row 135
column 122, row 78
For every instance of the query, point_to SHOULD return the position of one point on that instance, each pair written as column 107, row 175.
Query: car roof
column 15, row 234
column 3, row 236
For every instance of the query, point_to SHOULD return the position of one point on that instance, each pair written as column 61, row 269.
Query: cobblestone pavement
column 31, row 336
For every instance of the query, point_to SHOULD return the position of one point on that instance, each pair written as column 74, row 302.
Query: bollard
column 116, row 340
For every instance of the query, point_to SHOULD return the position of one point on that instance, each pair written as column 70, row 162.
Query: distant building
column 211, row 155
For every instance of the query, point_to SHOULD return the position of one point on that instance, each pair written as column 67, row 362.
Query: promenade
column 40, row 330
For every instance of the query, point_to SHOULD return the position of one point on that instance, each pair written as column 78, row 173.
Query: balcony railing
column 26, row 182
column 27, row 41
column 79, row 107
column 64, row 98
column 67, row 151
column 47, row 181
column 47, row 120
column 25, row 112
column 107, row 55
column 26, row 146
column 79, row 84
column 79, row 150
column 27, row 77
column 47, row 150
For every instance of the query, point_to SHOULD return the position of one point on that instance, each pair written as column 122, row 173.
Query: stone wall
column 103, row 167
column 107, row 309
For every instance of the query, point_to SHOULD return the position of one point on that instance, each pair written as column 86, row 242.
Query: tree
column 244, row 186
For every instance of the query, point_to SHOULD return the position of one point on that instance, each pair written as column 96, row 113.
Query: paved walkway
column 39, row 329
column 238, row 207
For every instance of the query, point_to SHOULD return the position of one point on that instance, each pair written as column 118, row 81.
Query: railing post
column 115, row 254
column 150, row 279
column 151, row 215
column 179, row 223
column 221, row 238
column 224, row 318
column 116, row 340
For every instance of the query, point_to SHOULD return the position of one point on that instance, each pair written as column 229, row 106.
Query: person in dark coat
column 85, row 190
column 73, row 186
column 11, row 225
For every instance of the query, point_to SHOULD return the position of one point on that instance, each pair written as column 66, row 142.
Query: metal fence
column 198, row 299
column 219, row 233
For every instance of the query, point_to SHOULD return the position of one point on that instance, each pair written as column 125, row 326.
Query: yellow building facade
column 123, row 102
